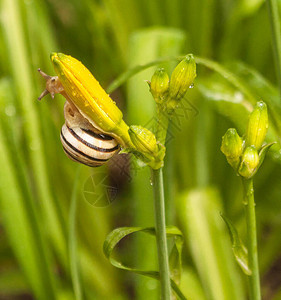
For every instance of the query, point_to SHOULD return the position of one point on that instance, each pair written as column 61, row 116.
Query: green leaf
column 239, row 250
column 175, row 259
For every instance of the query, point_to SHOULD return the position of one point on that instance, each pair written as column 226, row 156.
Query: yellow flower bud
column 159, row 85
column 257, row 125
column 182, row 78
column 232, row 147
column 249, row 163
column 85, row 92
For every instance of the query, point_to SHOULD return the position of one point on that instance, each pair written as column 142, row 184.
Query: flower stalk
column 249, row 202
column 246, row 157
column 75, row 82
column 167, row 95
column 161, row 238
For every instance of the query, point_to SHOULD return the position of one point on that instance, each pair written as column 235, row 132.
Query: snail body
column 81, row 141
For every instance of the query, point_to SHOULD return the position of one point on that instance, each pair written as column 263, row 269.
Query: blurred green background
column 39, row 227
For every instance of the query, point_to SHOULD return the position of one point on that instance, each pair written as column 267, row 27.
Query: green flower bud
column 146, row 147
column 182, row 78
column 249, row 163
column 232, row 147
column 143, row 139
column 257, row 125
column 159, row 85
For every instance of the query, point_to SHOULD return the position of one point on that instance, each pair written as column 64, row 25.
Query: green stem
column 162, row 125
column 160, row 226
column 159, row 207
column 276, row 37
column 249, row 201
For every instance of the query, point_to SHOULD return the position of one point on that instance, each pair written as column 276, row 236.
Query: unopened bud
column 257, row 125
column 159, row 85
column 249, row 163
column 146, row 147
column 232, row 147
column 143, row 139
column 182, row 78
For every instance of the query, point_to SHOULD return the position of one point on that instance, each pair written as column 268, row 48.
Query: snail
column 81, row 141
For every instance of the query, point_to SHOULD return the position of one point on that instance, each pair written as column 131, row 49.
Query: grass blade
column 17, row 50
column 72, row 244
column 272, row 6
column 209, row 245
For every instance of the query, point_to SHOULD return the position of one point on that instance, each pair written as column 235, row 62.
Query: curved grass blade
column 118, row 234
column 72, row 240
column 212, row 65
column 239, row 250
column 227, row 97
column 133, row 71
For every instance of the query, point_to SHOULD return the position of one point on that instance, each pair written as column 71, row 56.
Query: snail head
column 53, row 85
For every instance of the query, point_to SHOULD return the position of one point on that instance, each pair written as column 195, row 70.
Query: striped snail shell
column 84, row 143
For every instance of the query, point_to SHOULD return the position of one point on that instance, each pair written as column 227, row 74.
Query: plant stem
column 162, row 126
column 276, row 37
column 160, row 226
column 159, row 211
column 249, row 201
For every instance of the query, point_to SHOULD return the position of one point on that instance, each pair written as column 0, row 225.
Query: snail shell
column 84, row 143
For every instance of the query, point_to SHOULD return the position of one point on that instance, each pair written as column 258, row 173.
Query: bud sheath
column 257, row 125
column 143, row 139
column 232, row 147
column 182, row 77
column 159, row 85
column 249, row 163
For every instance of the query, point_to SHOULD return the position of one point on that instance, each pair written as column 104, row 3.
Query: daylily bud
column 257, row 125
column 181, row 79
column 146, row 147
column 232, row 147
column 249, row 163
column 159, row 85
column 143, row 139
column 84, row 91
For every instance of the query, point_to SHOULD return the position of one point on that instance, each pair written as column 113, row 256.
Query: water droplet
column 151, row 181
column 191, row 86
